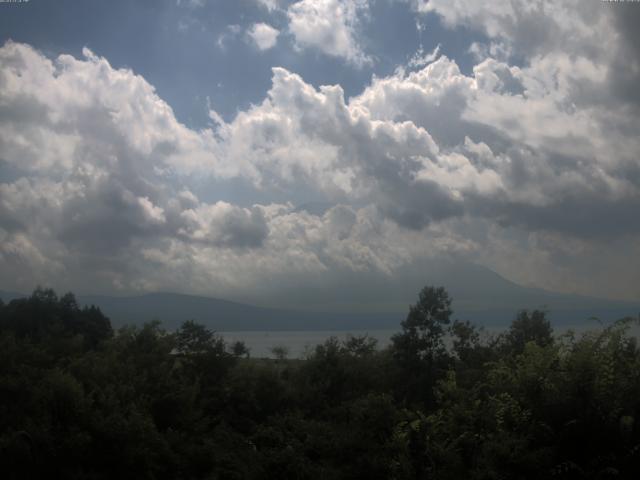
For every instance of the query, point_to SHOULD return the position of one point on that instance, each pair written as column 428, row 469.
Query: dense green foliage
column 443, row 401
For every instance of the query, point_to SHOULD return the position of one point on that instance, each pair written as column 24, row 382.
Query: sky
column 255, row 149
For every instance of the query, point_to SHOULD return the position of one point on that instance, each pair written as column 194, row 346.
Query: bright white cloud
column 102, row 157
column 270, row 5
column 421, row 58
column 263, row 35
column 330, row 26
column 530, row 27
column 536, row 161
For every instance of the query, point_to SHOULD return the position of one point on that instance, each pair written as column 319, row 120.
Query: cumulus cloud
column 624, row 73
column 529, row 27
column 223, row 224
column 263, row 35
column 227, row 35
column 331, row 27
column 270, row 5
column 531, row 168
column 100, row 199
column 421, row 58
column 95, row 150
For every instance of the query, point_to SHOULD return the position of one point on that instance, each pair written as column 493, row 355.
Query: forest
column 445, row 400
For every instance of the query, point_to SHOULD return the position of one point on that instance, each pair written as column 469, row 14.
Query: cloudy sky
column 242, row 149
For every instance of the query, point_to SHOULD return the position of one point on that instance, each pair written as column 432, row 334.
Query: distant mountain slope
column 479, row 295
column 172, row 309
column 8, row 296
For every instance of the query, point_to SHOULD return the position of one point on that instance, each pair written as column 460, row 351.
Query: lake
column 299, row 342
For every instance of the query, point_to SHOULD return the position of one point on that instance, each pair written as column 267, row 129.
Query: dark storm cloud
column 241, row 228
column 625, row 68
column 582, row 216
column 106, row 220
column 418, row 204
column 577, row 214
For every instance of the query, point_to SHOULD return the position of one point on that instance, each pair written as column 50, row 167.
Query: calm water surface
column 299, row 343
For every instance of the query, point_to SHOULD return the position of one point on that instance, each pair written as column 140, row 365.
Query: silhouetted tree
column 419, row 348
column 360, row 346
column 79, row 402
column 281, row 352
column 528, row 327
column 240, row 349
column 424, row 327
column 193, row 339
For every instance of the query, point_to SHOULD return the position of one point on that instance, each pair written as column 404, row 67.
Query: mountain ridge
column 228, row 315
